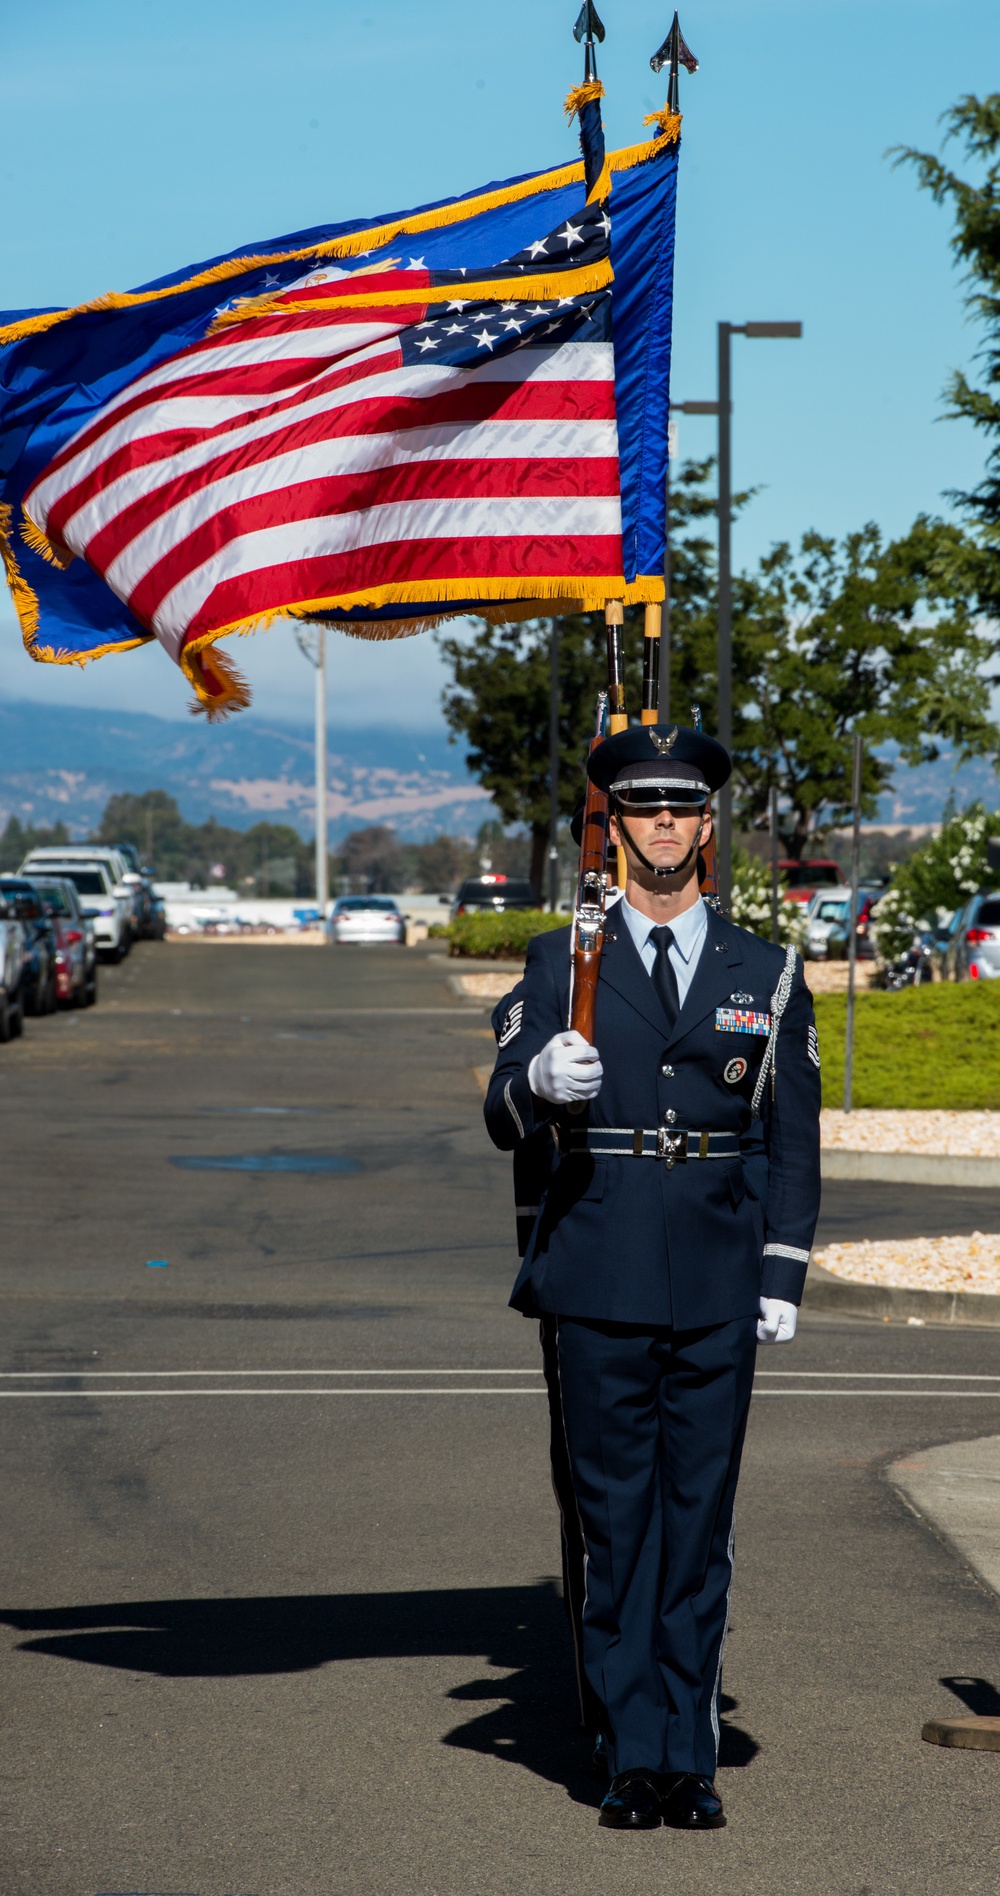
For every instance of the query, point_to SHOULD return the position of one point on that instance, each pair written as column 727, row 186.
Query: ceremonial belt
column 639, row 1143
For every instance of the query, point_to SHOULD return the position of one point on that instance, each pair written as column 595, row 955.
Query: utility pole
column 311, row 641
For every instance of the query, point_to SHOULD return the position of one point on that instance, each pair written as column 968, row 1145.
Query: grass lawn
column 926, row 1048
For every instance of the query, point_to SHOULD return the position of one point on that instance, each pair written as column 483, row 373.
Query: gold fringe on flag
column 668, row 122
column 580, row 282
column 219, row 688
column 40, row 544
column 579, row 96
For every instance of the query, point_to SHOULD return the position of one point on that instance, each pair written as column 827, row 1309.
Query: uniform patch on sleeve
column 512, row 1025
column 812, row 1046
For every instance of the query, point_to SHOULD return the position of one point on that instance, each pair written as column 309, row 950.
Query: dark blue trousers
column 655, row 1422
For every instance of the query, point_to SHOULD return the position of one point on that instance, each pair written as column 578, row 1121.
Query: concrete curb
column 910, row 1168
column 840, row 1297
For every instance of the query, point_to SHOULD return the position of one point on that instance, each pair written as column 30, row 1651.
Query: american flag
column 358, row 442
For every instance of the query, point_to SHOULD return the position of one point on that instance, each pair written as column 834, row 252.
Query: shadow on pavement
column 532, row 1720
column 977, row 1695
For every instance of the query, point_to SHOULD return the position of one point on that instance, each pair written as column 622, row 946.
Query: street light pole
column 311, row 641
column 725, row 612
column 676, row 408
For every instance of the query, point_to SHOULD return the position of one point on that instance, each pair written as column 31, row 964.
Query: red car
column 76, row 955
column 802, row 879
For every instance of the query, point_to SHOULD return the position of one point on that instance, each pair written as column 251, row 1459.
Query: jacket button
column 667, row 1071
column 669, row 1117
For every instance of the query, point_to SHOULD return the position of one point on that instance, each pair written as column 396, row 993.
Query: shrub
column 751, row 902
column 935, row 880
column 491, row 937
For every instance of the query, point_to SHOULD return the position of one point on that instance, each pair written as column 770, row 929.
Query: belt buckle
column 671, row 1146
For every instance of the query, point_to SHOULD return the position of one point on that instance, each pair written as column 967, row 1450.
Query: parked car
column 158, row 918
column 494, row 892
column 973, row 951
column 828, row 922
column 140, row 878
column 802, row 879
column 11, row 959
column 76, row 949
column 124, row 892
column 366, row 918
column 104, row 901
column 38, row 972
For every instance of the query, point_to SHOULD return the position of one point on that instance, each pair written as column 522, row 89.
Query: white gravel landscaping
column 970, row 1264
column 969, row 1135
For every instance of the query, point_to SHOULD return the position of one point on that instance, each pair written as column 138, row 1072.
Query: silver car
column 973, row 952
column 366, row 918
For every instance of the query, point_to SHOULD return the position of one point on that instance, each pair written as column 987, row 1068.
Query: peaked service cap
column 659, row 763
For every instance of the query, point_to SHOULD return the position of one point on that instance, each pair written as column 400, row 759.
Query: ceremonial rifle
column 592, row 887
column 591, row 896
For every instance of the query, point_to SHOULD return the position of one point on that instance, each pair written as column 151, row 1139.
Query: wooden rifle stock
column 588, row 915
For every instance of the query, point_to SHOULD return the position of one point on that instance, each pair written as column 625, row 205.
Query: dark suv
column 494, row 893
column 38, row 979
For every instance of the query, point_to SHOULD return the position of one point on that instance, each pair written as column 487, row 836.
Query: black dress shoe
column 600, row 1757
column 691, row 1803
column 632, row 1803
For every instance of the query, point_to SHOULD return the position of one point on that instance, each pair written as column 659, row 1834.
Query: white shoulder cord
column 779, row 1001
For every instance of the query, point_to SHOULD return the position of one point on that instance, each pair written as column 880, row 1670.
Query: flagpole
column 322, row 860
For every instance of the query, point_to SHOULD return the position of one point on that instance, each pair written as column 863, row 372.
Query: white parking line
column 61, row 1375
column 464, row 1389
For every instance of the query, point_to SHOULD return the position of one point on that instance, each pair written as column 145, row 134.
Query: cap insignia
column 664, row 745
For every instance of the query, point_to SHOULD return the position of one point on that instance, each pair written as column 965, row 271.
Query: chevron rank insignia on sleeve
column 812, row 1046
column 512, row 1025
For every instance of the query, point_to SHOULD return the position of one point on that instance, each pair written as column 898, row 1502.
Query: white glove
column 566, row 1070
column 777, row 1321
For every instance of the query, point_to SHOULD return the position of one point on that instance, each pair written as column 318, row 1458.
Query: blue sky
column 139, row 137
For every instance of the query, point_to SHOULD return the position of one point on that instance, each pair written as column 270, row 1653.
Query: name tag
column 741, row 1020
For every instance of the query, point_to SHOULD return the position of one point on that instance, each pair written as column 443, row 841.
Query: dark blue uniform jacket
column 623, row 1239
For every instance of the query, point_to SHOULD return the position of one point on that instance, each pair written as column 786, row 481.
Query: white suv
column 104, row 896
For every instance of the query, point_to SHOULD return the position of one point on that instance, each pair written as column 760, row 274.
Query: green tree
column 866, row 636
column 373, row 861
column 862, row 635
column 937, row 879
column 974, row 124
column 153, row 824
column 19, row 839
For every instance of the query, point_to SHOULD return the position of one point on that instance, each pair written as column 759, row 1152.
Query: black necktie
column 663, row 977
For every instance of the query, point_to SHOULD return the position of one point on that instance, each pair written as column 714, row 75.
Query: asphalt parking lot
column 279, row 1611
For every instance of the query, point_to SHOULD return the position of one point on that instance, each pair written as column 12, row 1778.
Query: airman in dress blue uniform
column 675, row 1215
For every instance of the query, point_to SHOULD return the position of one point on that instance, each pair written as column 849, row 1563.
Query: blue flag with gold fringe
column 374, row 425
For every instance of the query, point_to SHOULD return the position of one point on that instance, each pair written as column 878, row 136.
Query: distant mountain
column 61, row 765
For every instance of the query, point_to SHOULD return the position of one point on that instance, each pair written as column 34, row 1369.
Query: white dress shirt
column 689, row 928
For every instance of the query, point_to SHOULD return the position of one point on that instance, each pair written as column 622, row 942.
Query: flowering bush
column 751, row 902
column 935, row 880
